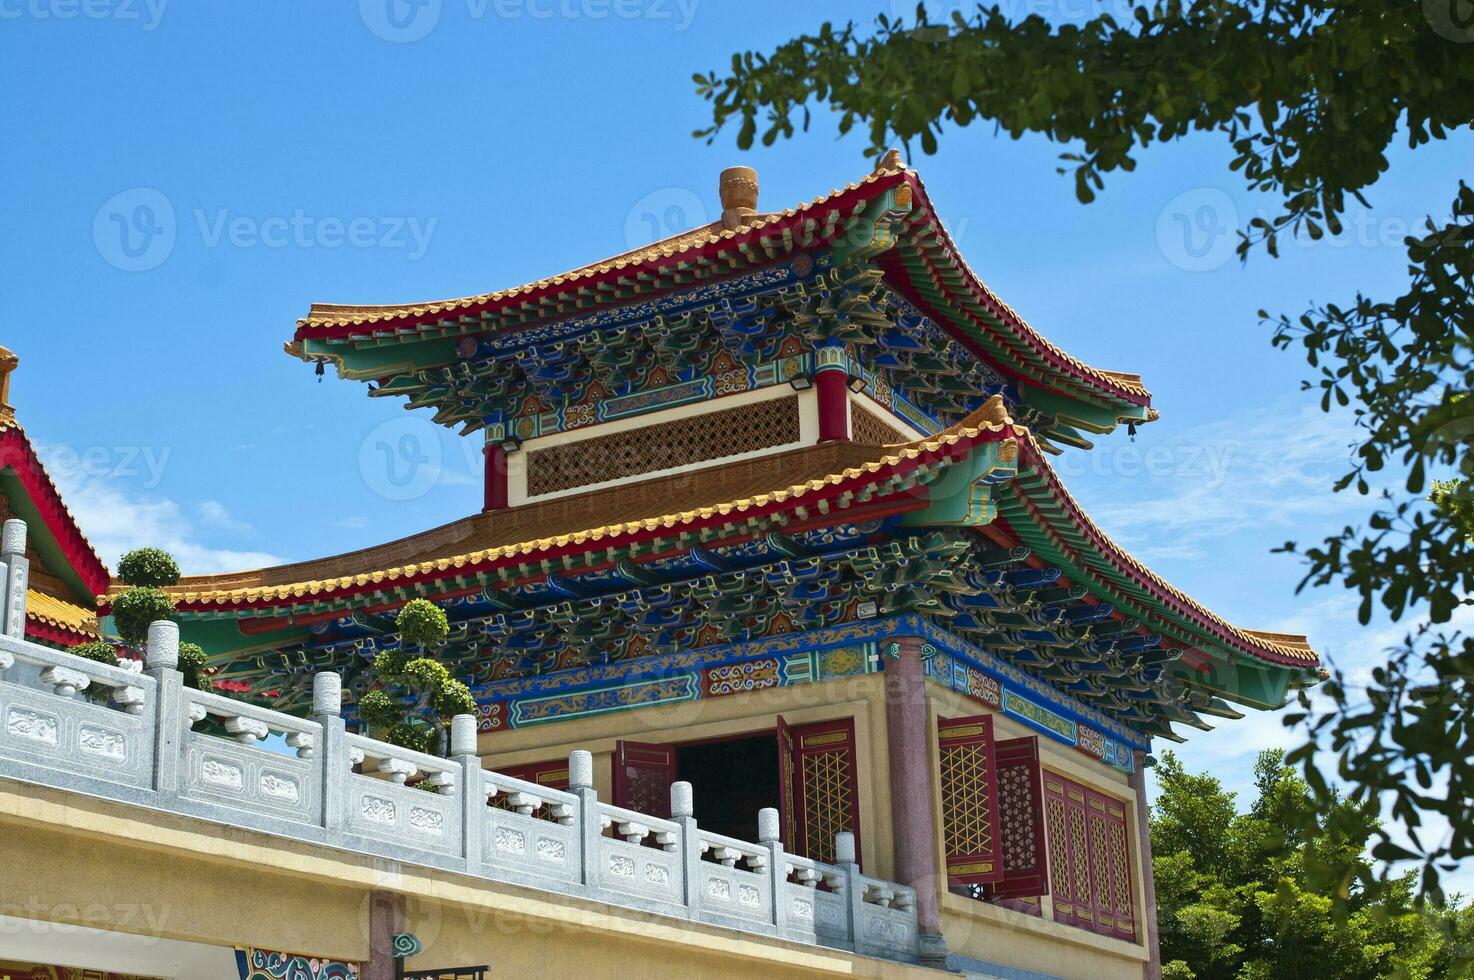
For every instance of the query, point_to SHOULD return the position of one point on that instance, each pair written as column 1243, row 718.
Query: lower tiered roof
column 970, row 528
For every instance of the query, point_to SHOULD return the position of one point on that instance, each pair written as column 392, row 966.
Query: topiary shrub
column 148, row 567
column 98, row 651
column 422, row 623
column 135, row 609
column 416, row 697
column 102, row 652
column 194, row 664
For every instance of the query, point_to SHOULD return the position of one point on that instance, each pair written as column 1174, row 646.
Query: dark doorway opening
column 731, row 781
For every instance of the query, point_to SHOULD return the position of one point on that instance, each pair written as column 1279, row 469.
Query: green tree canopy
column 1237, row 892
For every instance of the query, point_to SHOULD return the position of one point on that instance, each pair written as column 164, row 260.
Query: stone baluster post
column 854, row 890
column 327, row 711
column 15, row 572
column 161, row 662
column 473, row 788
column 768, row 835
column 581, row 784
column 683, row 812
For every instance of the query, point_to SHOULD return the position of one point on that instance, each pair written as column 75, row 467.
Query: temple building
column 790, row 651
column 769, row 508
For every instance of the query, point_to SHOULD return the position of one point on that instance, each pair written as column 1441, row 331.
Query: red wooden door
column 970, row 830
column 825, row 793
column 1021, row 820
column 643, row 772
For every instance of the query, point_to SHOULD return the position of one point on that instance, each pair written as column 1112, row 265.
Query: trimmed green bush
column 194, row 663
column 148, row 567
column 416, row 696
column 135, row 609
column 422, row 623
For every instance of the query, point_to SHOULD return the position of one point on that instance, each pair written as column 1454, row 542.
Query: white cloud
column 1270, row 468
column 116, row 523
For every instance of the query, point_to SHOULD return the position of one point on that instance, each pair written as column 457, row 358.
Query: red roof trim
column 16, row 453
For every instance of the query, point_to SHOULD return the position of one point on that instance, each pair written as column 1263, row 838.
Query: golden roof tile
column 60, row 614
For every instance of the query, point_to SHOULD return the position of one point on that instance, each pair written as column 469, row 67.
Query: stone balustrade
column 142, row 737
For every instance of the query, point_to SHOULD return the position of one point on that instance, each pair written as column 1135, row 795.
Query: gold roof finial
column 8, row 362
column 738, row 189
column 890, row 162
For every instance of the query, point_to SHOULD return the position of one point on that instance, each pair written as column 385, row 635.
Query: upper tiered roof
column 440, row 353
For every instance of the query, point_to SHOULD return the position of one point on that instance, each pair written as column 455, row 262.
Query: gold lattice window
column 824, row 769
column 663, row 446
column 970, row 830
column 868, row 428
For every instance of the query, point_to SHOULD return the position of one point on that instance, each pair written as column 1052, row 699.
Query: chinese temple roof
column 883, row 223
column 66, row 574
column 514, row 557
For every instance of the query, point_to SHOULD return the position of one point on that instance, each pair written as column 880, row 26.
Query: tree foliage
column 416, row 697
column 1237, row 893
column 135, row 609
column 148, row 566
column 1309, row 95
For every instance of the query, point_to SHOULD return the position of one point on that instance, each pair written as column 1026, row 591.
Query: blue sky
column 182, row 180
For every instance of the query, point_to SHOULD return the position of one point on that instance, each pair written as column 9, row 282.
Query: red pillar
column 832, row 385
column 1152, row 968
column 496, row 478
column 913, row 806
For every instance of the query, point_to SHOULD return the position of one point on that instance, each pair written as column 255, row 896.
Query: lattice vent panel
column 663, row 446
column 870, row 429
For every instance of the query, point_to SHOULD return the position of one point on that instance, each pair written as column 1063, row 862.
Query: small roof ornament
column 738, row 189
column 890, row 162
column 8, row 362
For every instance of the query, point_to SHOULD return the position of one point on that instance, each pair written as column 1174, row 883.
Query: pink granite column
column 384, row 920
column 913, row 807
column 1152, row 969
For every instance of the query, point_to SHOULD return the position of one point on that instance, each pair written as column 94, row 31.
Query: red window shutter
column 1069, row 865
column 825, row 794
column 970, row 830
column 552, row 773
column 1110, row 867
column 786, row 786
column 1021, row 820
column 1089, row 858
column 643, row 773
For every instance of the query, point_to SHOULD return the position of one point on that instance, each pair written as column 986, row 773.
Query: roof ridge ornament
column 737, row 187
column 889, row 163
column 8, row 363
